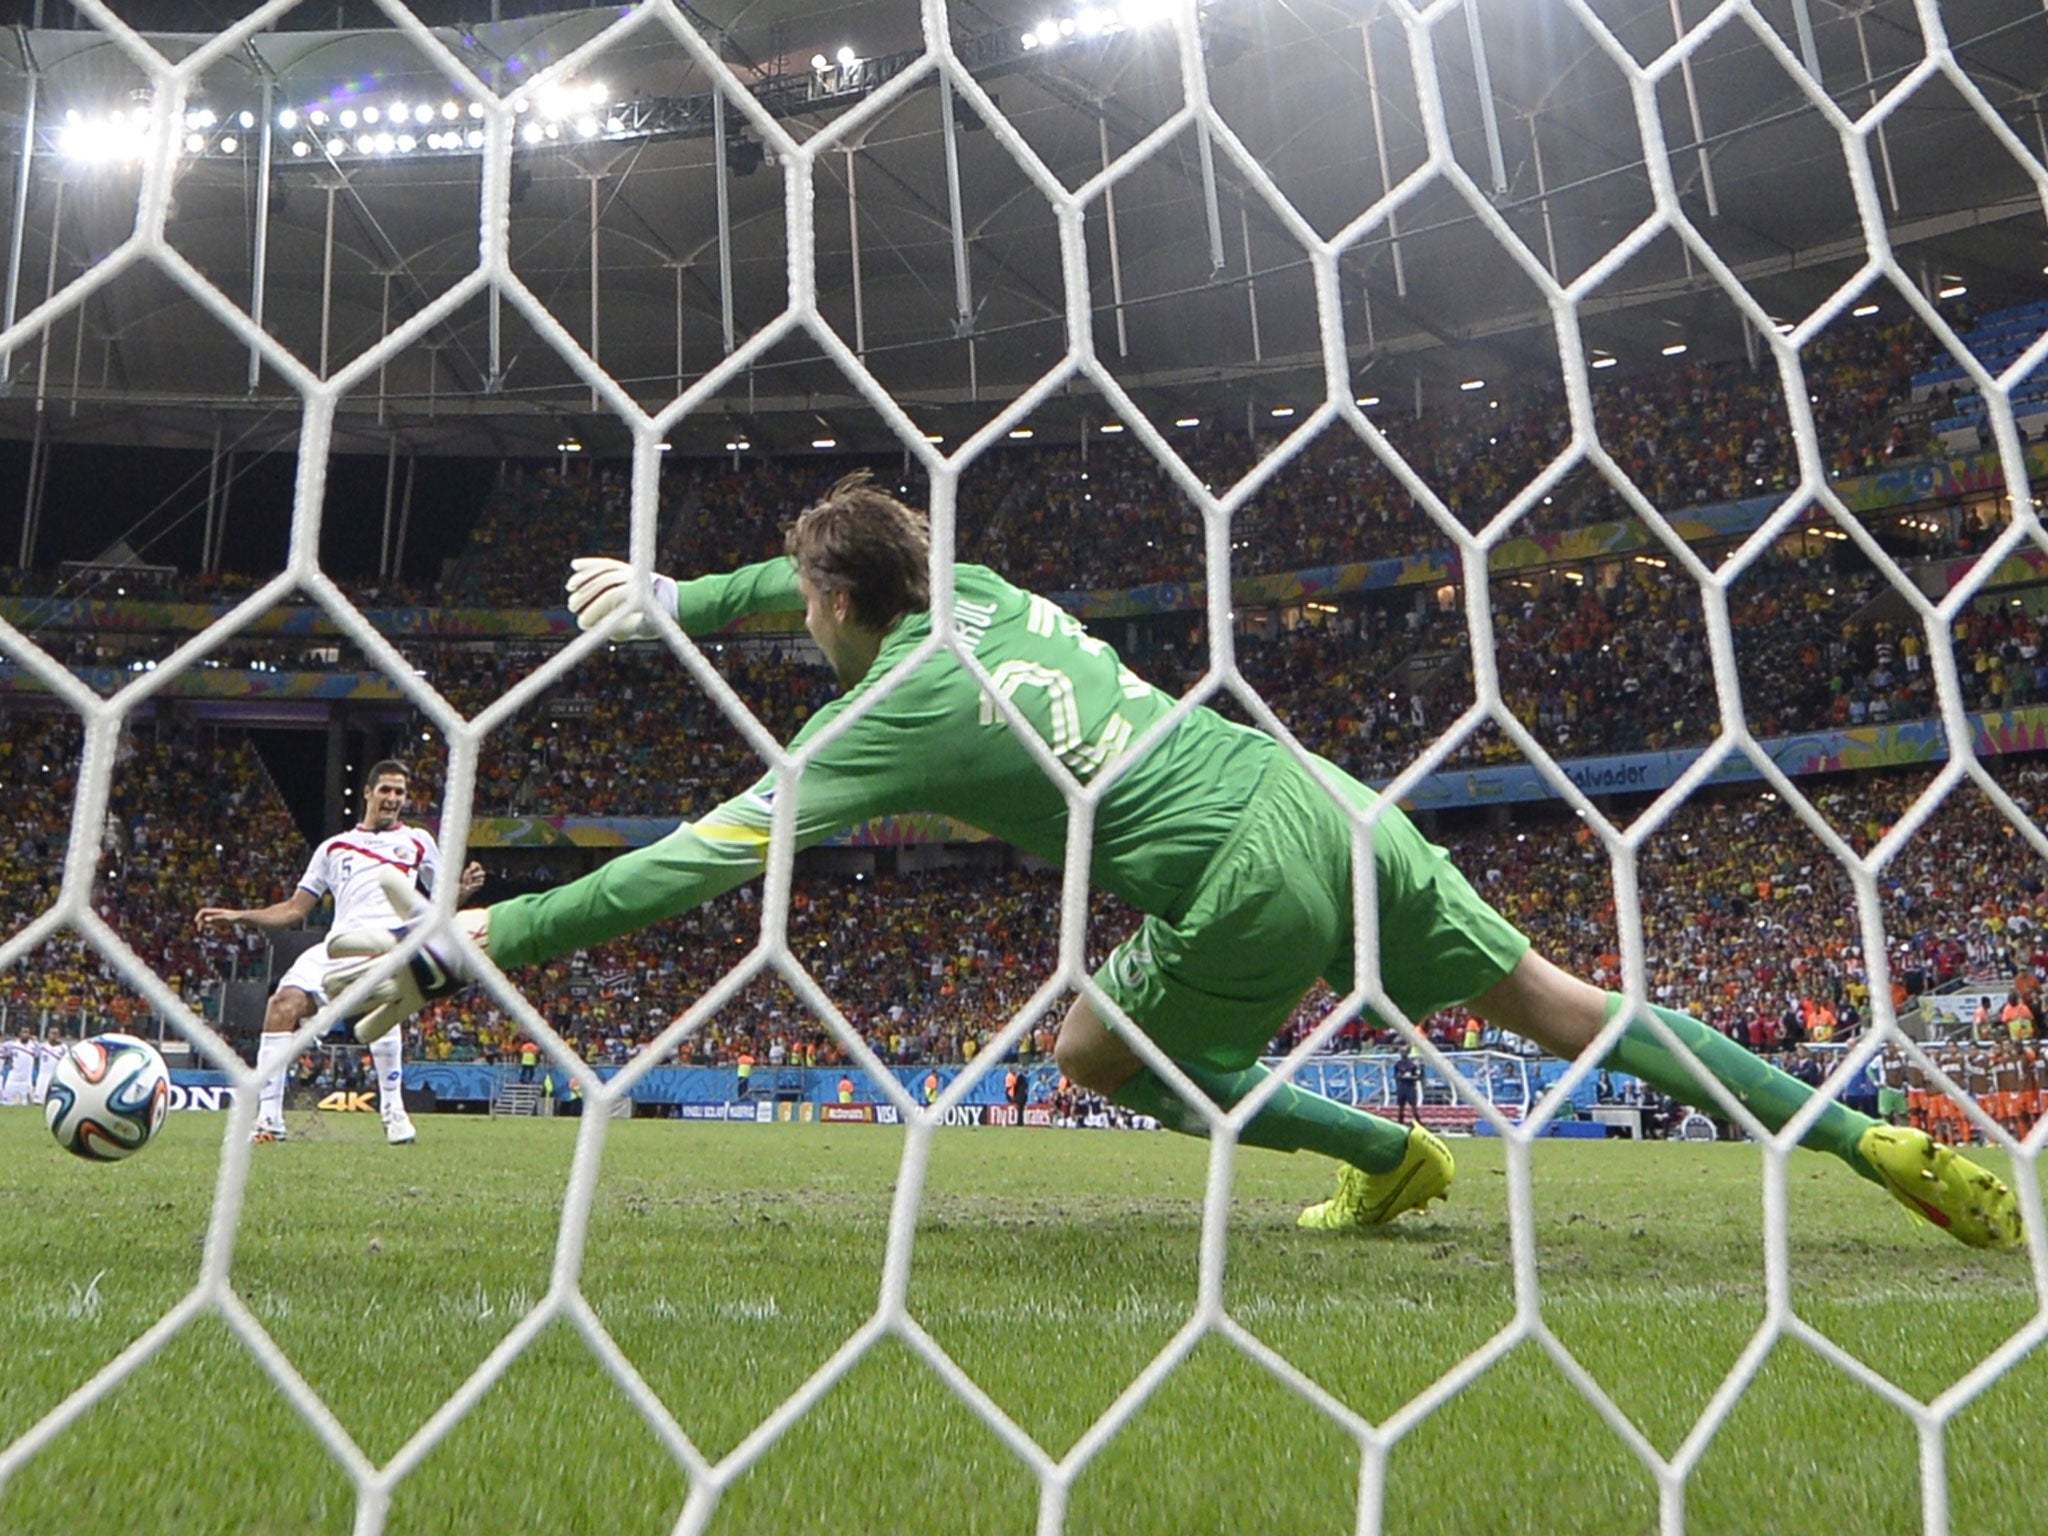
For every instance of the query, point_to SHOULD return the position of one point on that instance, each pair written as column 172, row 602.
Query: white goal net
column 1436, row 48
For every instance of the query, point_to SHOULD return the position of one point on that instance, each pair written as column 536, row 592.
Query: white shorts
column 309, row 973
column 16, row 1090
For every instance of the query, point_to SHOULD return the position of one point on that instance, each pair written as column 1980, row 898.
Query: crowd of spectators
column 1747, row 917
column 1110, row 516
column 193, row 818
column 1590, row 668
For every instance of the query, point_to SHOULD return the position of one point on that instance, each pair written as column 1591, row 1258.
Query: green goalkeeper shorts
column 1273, row 913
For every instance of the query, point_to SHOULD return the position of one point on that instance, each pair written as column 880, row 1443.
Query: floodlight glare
column 476, row 138
column 317, row 118
column 301, row 149
column 450, row 111
column 532, row 133
column 365, row 144
column 370, row 114
column 847, row 57
column 229, row 144
column 407, row 143
column 246, row 119
column 287, row 119
column 348, row 117
column 385, row 143
column 400, row 112
column 195, row 143
column 336, row 148
column 1048, row 33
column 820, row 63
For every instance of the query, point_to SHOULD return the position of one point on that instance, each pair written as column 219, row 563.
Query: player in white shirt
column 347, row 866
column 19, row 1057
column 49, row 1051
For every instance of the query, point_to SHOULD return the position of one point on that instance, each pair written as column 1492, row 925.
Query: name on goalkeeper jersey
column 1062, row 730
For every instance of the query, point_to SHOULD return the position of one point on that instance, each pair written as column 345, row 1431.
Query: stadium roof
column 1218, row 315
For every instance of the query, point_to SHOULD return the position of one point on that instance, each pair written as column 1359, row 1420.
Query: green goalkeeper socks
column 1772, row 1096
column 1293, row 1120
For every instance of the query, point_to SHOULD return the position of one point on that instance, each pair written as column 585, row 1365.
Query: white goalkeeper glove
column 600, row 586
column 435, row 970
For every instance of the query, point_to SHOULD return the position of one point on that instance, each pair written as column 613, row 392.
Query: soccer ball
column 108, row 1097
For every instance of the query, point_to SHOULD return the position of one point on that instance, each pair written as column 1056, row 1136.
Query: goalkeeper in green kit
column 1239, row 858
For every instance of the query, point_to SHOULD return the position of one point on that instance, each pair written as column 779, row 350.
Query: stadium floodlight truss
column 1423, row 30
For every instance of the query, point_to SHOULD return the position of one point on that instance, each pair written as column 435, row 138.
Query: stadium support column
column 23, row 164
column 1542, row 195
column 1495, row 161
column 32, row 501
column 50, row 292
column 259, row 264
column 327, row 276
column 1116, row 264
column 1884, row 144
column 963, row 294
column 209, row 540
column 678, row 270
column 596, row 303
column 1379, row 137
column 1699, row 132
column 412, row 461
column 383, row 330
column 860, row 322
column 390, row 503
column 720, row 171
column 1251, row 289
column 227, row 492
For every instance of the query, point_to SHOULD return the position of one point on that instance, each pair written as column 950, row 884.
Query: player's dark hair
column 383, row 766
column 864, row 542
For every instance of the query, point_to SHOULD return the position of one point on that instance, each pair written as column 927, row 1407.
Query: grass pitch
column 729, row 1262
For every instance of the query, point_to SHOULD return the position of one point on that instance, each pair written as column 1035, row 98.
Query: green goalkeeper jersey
column 937, row 742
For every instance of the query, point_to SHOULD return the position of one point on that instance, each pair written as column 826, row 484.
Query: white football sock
column 386, row 1054
column 273, row 1057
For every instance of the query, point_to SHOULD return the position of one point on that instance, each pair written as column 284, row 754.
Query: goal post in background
column 1418, row 193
